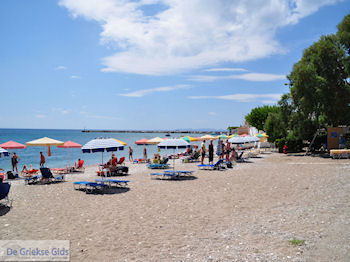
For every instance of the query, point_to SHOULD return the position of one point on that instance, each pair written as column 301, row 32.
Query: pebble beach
column 273, row 208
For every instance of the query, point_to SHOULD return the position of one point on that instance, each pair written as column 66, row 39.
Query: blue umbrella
column 173, row 144
column 102, row 145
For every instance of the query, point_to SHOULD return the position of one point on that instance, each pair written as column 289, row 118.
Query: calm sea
column 62, row 157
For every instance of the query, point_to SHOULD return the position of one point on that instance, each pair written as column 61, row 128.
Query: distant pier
column 154, row 131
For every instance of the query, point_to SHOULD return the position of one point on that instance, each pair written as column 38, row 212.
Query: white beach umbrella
column 3, row 152
column 243, row 139
column 173, row 144
column 102, row 145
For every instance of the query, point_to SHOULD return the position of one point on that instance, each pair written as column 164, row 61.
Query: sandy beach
column 248, row 213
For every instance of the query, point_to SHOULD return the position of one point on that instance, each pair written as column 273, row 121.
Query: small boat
column 167, row 134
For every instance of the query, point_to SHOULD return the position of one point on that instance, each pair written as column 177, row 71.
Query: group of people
column 223, row 151
column 15, row 160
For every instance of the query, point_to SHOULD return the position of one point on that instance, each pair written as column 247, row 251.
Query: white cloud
column 75, row 77
column 60, row 68
column 255, row 77
column 270, row 98
column 143, row 92
column 226, row 69
column 190, row 34
column 40, row 116
column 62, row 111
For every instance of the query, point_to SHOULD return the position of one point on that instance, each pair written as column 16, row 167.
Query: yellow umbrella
column 207, row 137
column 45, row 141
column 155, row 141
column 123, row 143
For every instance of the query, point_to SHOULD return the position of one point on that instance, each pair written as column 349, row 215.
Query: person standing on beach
column 145, row 153
column 219, row 150
column 14, row 162
column 131, row 159
column 211, row 152
column 42, row 159
column 203, row 151
column 227, row 150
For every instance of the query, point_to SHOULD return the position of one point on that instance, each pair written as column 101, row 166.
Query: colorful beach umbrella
column 12, row 145
column 45, row 141
column 102, row 145
column 222, row 136
column 173, row 144
column 207, row 137
column 154, row 141
column 70, row 144
column 141, row 142
column 123, row 143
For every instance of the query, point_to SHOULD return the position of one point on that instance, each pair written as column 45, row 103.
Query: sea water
column 62, row 157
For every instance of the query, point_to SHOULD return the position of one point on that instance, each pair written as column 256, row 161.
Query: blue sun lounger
column 172, row 173
column 158, row 166
column 109, row 182
column 4, row 192
column 217, row 166
column 89, row 186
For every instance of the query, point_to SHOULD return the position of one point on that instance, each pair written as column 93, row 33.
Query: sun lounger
column 172, row 173
column 219, row 165
column 29, row 180
column 4, row 192
column 89, row 186
column 241, row 158
column 158, row 166
column 109, row 182
column 60, row 170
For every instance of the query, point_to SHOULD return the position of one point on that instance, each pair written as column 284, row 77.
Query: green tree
column 258, row 116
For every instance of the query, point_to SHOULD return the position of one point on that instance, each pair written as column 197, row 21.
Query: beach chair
column 110, row 182
column 162, row 165
column 121, row 161
column 89, row 187
column 80, row 167
column 241, row 158
column 219, row 165
column 48, row 177
column 191, row 159
column 4, row 192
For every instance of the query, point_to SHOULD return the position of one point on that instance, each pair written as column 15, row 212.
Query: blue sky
column 150, row 64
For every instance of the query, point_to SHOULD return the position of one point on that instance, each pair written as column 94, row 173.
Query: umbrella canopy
column 222, row 136
column 12, row 145
column 3, row 152
column 45, row 141
column 70, row 144
column 258, row 135
column 102, row 145
column 123, row 143
column 207, row 137
column 141, row 142
column 190, row 138
column 155, row 141
column 243, row 139
column 173, row 144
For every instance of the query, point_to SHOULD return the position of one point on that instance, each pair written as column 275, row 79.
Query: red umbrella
column 141, row 142
column 70, row 144
column 12, row 145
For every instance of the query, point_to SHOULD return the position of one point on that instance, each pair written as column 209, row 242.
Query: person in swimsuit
column 131, row 159
column 42, row 159
column 203, row 152
column 14, row 162
column 211, row 152
column 145, row 153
